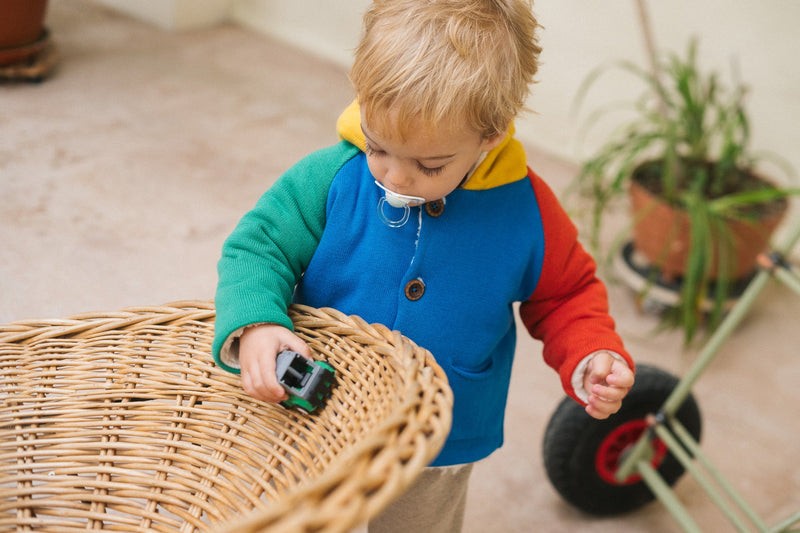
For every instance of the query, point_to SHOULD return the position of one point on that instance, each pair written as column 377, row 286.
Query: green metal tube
column 792, row 239
column 680, row 454
column 641, row 451
column 788, row 278
column 783, row 526
column 667, row 498
column 709, row 351
column 694, row 449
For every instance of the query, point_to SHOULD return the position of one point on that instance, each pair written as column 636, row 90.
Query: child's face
column 430, row 162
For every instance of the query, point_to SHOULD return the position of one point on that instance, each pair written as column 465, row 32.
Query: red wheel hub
column 615, row 447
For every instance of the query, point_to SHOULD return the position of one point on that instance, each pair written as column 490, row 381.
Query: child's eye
column 372, row 151
column 430, row 171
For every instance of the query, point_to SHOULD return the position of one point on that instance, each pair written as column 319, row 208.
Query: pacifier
column 396, row 200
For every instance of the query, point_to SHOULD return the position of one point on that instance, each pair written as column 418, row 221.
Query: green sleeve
column 266, row 254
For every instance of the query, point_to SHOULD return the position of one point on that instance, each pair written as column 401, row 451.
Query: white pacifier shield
column 395, row 199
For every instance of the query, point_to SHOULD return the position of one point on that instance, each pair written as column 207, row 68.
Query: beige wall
column 175, row 14
column 328, row 28
column 757, row 35
column 578, row 35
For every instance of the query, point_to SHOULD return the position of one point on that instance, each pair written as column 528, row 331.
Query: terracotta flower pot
column 661, row 234
column 21, row 29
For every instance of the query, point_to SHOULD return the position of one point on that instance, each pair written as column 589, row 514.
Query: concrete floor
column 122, row 174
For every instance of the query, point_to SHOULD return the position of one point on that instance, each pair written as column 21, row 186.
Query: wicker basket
column 122, row 422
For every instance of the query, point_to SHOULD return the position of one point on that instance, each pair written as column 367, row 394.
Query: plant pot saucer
column 31, row 62
column 657, row 294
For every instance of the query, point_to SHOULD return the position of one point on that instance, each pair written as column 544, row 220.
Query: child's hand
column 259, row 347
column 607, row 380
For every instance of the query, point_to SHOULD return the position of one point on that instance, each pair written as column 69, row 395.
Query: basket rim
column 358, row 482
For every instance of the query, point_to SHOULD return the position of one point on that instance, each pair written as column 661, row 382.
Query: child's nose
column 397, row 178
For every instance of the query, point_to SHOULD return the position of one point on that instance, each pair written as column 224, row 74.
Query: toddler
column 426, row 218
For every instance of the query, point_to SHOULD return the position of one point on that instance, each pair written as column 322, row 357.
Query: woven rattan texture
column 122, row 422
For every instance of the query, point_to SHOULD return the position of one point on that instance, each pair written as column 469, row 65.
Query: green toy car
column 307, row 382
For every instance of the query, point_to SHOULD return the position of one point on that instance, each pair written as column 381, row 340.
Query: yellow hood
column 504, row 164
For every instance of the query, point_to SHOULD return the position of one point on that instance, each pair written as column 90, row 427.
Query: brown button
column 415, row 289
column 435, row 208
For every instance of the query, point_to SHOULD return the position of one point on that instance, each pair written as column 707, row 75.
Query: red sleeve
column 568, row 311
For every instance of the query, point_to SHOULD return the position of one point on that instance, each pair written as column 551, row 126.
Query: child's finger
column 296, row 344
column 620, row 375
column 600, row 367
column 600, row 409
column 608, row 394
column 271, row 388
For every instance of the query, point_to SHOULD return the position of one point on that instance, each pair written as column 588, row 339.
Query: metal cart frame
column 665, row 427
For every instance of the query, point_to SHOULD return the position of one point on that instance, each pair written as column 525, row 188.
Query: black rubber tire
column 573, row 439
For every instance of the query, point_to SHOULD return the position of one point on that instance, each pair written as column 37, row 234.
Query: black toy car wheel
column 582, row 454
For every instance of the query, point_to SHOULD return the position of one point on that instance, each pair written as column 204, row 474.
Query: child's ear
column 491, row 142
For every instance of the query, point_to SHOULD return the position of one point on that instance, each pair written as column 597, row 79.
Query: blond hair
column 438, row 60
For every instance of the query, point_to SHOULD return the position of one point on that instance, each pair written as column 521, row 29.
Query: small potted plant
column 701, row 213
column 22, row 31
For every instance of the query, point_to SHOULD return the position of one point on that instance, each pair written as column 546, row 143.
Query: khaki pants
column 434, row 503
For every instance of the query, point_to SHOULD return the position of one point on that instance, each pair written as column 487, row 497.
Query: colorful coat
column 448, row 279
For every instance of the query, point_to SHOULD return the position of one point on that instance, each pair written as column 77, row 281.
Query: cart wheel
column 582, row 454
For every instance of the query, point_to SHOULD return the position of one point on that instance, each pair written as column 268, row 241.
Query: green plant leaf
column 695, row 126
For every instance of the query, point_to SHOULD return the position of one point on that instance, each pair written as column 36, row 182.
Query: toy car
column 307, row 382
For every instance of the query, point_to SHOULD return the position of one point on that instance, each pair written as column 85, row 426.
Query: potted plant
column 22, row 32
column 701, row 213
